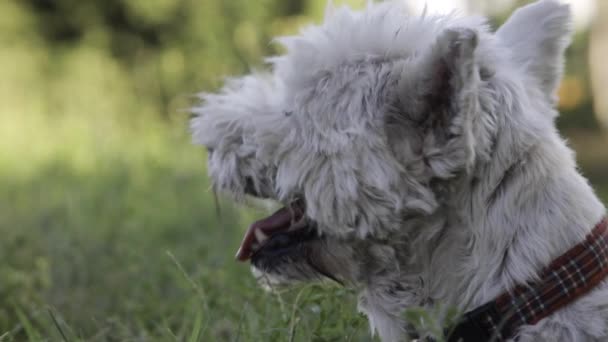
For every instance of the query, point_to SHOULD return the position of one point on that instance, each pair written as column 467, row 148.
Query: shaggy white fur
column 425, row 150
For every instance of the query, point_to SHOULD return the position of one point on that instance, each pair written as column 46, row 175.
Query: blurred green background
column 108, row 229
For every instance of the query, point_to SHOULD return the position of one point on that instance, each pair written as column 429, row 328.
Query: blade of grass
column 240, row 326
column 57, row 325
column 195, row 286
column 293, row 322
column 199, row 291
column 196, row 330
column 31, row 333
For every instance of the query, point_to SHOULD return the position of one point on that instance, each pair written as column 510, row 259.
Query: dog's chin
column 286, row 247
column 292, row 256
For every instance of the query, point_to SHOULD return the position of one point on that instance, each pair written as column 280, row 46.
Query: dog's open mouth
column 276, row 232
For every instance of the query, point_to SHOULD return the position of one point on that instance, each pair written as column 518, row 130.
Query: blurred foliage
column 108, row 229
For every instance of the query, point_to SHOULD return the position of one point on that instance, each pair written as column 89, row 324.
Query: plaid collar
column 568, row 277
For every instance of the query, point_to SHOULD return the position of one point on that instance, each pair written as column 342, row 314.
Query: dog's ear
column 438, row 96
column 537, row 36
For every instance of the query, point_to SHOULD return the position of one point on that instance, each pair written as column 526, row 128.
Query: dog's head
column 370, row 120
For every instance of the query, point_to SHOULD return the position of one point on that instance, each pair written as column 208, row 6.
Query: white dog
column 418, row 161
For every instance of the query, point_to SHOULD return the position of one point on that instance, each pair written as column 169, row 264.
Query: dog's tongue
column 262, row 229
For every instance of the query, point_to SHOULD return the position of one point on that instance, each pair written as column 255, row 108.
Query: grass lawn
column 111, row 234
column 114, row 236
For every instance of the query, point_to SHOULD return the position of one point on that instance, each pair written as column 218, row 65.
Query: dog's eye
column 288, row 113
column 250, row 187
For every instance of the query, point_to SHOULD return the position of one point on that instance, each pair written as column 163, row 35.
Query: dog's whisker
column 216, row 202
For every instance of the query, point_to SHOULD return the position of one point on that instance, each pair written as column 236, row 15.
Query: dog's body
column 424, row 158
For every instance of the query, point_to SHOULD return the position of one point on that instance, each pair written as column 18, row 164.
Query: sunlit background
column 108, row 229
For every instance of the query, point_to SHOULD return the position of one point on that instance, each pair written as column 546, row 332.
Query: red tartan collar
column 567, row 278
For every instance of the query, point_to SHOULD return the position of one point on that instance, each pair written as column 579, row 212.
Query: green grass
column 113, row 235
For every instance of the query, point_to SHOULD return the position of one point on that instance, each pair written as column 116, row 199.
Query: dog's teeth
column 260, row 235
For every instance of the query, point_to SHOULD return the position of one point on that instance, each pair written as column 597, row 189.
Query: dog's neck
column 530, row 206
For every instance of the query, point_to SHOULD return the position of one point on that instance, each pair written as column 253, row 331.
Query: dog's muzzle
column 277, row 233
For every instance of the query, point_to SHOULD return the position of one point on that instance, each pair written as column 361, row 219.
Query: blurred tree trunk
column 598, row 65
